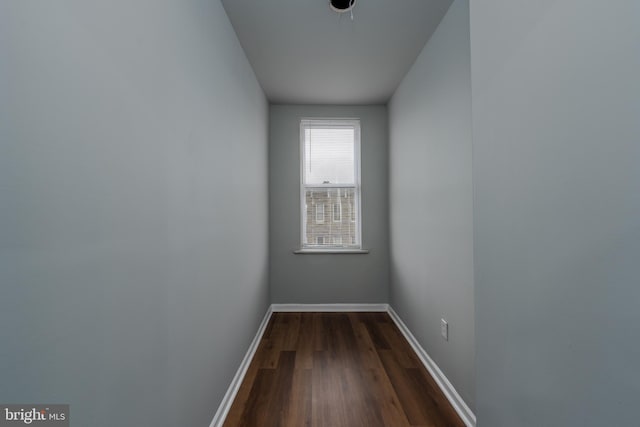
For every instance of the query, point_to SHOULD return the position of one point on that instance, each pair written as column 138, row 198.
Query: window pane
column 337, row 210
column 329, row 155
column 341, row 229
column 319, row 212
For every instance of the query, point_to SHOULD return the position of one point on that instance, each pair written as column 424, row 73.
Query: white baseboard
column 227, row 400
column 467, row 415
column 328, row 307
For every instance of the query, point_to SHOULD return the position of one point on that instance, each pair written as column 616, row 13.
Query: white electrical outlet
column 444, row 329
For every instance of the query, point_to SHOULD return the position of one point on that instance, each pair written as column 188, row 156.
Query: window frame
column 306, row 122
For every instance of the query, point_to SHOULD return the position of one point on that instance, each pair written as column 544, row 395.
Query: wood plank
column 362, row 406
column 272, row 345
column 328, row 403
column 401, row 348
column 291, row 331
column 319, row 334
column 305, row 344
column 344, row 347
column 376, row 378
column 404, row 388
column 441, row 411
column 298, row 412
column 366, row 348
column 420, row 404
column 338, row 370
column 256, row 408
column 242, row 397
column 280, row 390
column 371, row 323
column 391, row 410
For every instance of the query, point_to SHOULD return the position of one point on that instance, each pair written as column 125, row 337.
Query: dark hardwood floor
column 337, row 370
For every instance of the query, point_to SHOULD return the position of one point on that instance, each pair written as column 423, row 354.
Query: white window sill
column 330, row 251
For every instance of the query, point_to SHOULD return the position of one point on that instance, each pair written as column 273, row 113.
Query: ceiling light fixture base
column 342, row 6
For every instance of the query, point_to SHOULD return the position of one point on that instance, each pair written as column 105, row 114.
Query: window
column 330, row 175
column 337, row 212
column 319, row 214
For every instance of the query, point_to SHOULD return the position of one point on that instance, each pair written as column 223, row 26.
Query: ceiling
column 304, row 53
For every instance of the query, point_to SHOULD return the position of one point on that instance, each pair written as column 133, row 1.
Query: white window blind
column 330, row 176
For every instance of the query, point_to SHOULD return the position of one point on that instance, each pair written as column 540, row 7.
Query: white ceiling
column 304, row 53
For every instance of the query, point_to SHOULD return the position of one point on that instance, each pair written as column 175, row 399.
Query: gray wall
column 133, row 228
column 556, row 127
column 342, row 278
column 431, row 198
